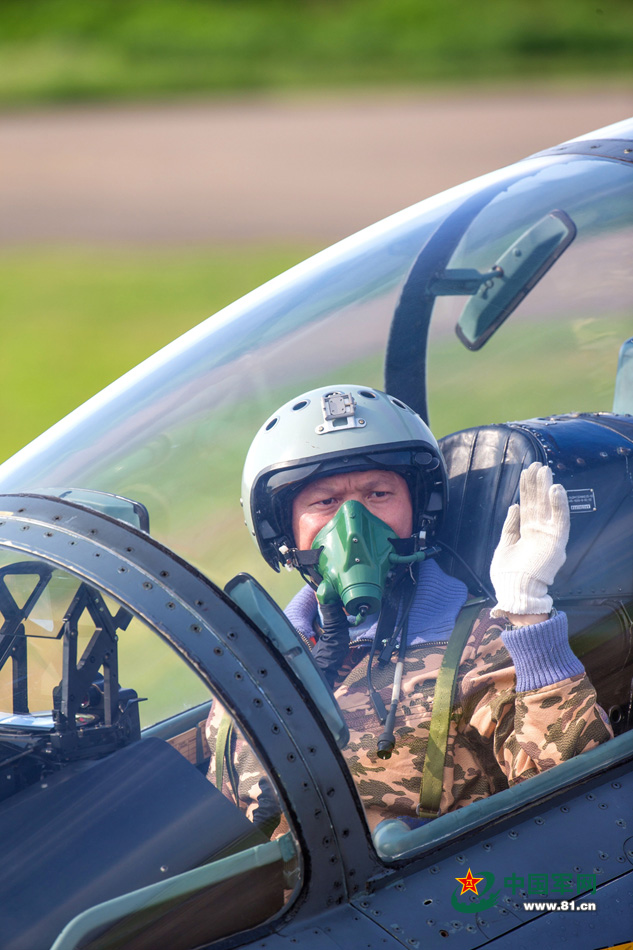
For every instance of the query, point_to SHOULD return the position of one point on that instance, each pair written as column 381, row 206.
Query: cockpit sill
column 395, row 842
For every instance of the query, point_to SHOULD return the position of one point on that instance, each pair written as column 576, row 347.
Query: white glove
column 531, row 549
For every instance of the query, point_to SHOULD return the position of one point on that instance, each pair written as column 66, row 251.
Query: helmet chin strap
column 303, row 561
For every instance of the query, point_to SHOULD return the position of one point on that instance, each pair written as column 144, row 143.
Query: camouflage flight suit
column 497, row 737
column 243, row 779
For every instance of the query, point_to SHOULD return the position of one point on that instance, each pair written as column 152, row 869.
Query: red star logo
column 469, row 883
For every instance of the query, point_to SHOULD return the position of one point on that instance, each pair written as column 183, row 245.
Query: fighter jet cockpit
column 108, row 785
column 144, row 650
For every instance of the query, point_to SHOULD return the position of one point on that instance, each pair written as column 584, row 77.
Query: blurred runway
column 313, row 168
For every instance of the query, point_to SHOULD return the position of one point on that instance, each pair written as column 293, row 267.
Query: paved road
column 315, row 168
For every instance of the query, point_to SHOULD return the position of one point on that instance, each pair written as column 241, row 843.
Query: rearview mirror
column 513, row 276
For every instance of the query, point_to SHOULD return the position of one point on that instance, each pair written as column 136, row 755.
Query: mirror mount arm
column 462, row 282
column 405, row 361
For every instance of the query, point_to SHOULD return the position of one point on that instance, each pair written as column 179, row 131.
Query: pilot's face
column 384, row 494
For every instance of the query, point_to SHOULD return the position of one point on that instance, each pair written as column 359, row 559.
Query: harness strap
column 433, row 769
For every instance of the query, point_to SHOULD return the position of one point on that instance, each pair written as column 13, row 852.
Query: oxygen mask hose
column 354, row 560
column 387, row 741
column 332, row 646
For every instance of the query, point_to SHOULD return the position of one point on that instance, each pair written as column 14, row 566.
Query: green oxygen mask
column 356, row 556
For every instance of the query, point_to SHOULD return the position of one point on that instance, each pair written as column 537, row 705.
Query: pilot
column 446, row 702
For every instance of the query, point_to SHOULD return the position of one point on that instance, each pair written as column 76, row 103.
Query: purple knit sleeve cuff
column 302, row 610
column 541, row 653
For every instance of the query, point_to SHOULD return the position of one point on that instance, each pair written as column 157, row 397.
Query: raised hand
column 532, row 546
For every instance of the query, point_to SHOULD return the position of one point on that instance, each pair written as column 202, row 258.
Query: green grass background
column 75, row 319
column 73, row 50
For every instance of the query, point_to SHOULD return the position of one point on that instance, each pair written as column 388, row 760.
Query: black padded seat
column 484, row 467
column 591, row 455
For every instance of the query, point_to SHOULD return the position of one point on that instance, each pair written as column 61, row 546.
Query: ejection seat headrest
column 591, row 455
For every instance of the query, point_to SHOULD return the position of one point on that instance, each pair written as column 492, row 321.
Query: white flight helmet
column 334, row 429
